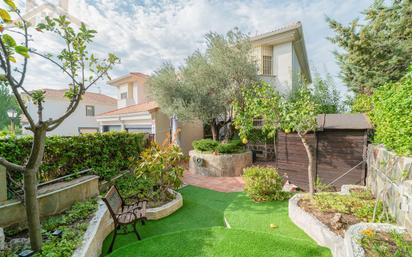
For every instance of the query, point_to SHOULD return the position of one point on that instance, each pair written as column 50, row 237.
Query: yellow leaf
column 11, row 4
column 12, row 59
column 1, row 28
column 5, row 16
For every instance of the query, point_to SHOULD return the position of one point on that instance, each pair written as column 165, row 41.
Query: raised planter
column 102, row 225
column 353, row 235
column 314, row 228
column 53, row 199
column 219, row 165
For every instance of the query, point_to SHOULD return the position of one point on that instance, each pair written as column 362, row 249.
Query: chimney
column 29, row 5
column 64, row 4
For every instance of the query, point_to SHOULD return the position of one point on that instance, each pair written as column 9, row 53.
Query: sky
column 145, row 34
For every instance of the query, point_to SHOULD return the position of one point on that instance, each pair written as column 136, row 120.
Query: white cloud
column 145, row 34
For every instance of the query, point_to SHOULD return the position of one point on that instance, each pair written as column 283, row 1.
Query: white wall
column 296, row 70
column 282, row 66
column 54, row 108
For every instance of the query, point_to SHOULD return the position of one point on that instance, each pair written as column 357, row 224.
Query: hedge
column 392, row 115
column 107, row 153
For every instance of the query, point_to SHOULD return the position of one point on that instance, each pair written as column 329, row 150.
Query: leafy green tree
column 377, row 50
column 299, row 115
column 325, row 94
column 7, row 102
column 83, row 70
column 206, row 87
column 258, row 101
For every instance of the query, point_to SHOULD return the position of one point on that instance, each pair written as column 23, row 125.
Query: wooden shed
column 339, row 145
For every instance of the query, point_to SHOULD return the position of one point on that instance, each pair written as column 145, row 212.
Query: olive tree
column 209, row 82
column 75, row 61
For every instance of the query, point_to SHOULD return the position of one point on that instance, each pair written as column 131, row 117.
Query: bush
column 264, row 184
column 209, row 145
column 108, row 153
column 159, row 169
column 205, row 145
column 392, row 115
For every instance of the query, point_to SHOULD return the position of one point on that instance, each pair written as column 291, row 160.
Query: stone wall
column 219, row 165
column 390, row 178
column 53, row 199
column 264, row 152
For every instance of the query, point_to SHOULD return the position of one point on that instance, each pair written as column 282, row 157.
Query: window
column 257, row 123
column 89, row 110
column 123, row 95
column 267, row 65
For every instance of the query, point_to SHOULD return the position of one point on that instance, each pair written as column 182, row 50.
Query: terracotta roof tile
column 88, row 97
column 144, row 107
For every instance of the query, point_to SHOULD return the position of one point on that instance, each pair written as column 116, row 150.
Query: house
column 36, row 13
column 137, row 112
column 281, row 57
column 83, row 120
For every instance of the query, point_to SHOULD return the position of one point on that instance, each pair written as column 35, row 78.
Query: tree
column 325, row 94
column 7, row 102
column 206, row 87
column 259, row 101
column 299, row 115
column 378, row 51
column 82, row 69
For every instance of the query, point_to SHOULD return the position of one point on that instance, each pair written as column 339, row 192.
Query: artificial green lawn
column 197, row 229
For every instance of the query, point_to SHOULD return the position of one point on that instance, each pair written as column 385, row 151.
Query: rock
column 288, row 187
column 2, row 239
column 336, row 221
column 18, row 244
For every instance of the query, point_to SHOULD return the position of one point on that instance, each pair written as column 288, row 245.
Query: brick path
column 221, row 184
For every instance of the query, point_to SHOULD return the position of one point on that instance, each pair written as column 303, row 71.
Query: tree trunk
column 30, row 189
column 215, row 133
column 308, row 149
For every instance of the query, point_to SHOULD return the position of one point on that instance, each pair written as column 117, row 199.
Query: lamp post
column 12, row 116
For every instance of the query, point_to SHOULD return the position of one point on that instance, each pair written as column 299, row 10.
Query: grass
column 197, row 229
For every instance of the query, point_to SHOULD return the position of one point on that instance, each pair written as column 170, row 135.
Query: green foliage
column 205, row 145
column 325, row 94
column 106, row 152
column 264, row 184
column 160, row 168
column 206, row 86
column 299, row 112
column 391, row 244
column 132, row 188
column 361, row 104
column 359, row 204
column 258, row 101
column 212, row 146
column 379, row 49
column 322, row 187
column 392, row 115
column 7, row 101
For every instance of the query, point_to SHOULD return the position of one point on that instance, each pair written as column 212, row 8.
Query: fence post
column 3, row 184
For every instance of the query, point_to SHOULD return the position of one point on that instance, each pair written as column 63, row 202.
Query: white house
column 136, row 112
column 83, row 120
column 281, row 57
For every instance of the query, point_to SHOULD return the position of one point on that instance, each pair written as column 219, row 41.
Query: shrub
column 392, row 115
column 231, row 147
column 205, row 145
column 159, row 168
column 108, row 153
column 264, row 184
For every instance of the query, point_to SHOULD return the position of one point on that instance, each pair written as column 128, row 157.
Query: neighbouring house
column 83, row 120
column 137, row 112
column 282, row 61
column 281, row 57
column 36, row 11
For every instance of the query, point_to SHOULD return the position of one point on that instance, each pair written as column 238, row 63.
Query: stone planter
column 314, row 228
column 353, row 235
column 219, row 165
column 102, row 225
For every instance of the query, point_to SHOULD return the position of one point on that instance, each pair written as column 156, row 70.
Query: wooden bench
column 122, row 214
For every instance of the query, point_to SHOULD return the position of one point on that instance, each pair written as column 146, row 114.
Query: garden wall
column 390, row 179
column 53, row 199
